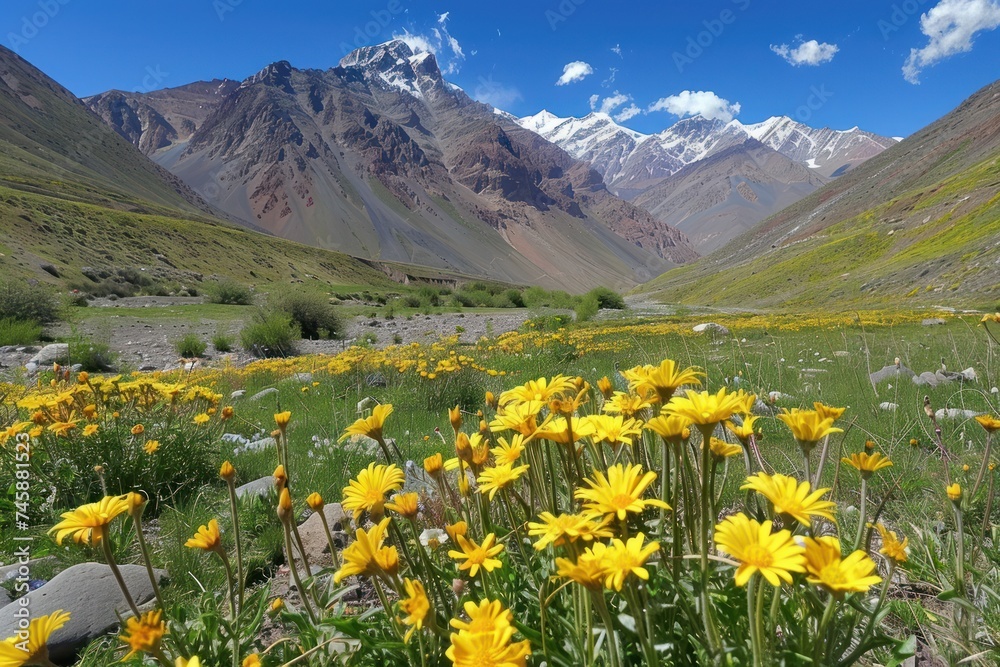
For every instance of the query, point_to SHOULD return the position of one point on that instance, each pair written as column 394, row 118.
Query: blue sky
column 835, row 64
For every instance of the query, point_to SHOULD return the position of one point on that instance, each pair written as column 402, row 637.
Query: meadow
column 599, row 580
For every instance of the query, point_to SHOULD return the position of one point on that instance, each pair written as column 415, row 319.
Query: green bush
column 587, row 308
column 21, row 300
column 230, row 293
column 607, row 298
column 190, row 345
column 312, row 312
column 18, row 332
column 222, row 342
column 271, row 334
column 93, row 356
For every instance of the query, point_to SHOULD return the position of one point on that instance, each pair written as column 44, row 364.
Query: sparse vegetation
column 222, row 342
column 229, row 292
column 92, row 355
column 272, row 333
column 28, row 302
column 18, row 332
column 190, row 346
column 310, row 311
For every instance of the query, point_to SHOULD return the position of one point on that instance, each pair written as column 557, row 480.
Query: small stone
column 303, row 377
column 955, row 413
column 313, row 534
column 888, row 407
column 239, row 393
column 51, row 354
column 713, row 327
column 259, row 487
column 263, row 394
column 933, row 321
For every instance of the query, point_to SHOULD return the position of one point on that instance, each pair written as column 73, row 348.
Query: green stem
column 985, row 465
column 295, row 574
column 602, row 610
column 146, row 560
column 864, row 511
column 106, row 544
column 752, row 620
column 239, row 547
column 711, row 632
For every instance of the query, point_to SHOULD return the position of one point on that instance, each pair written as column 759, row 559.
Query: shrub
column 312, row 312
column 271, row 334
column 93, row 356
column 21, row 300
column 18, row 332
column 607, row 298
column 190, row 345
column 222, row 342
column 230, row 293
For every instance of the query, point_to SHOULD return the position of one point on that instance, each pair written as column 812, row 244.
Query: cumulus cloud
column 628, row 112
column 951, row 26
column 694, row 103
column 575, row 71
column 807, row 53
column 608, row 104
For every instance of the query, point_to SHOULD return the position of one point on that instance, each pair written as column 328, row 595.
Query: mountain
column 647, row 169
column 52, row 145
column 715, row 199
column 156, row 120
column 380, row 157
column 915, row 225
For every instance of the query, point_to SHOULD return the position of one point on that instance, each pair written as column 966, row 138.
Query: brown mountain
column 719, row 197
column 381, row 157
column 916, row 224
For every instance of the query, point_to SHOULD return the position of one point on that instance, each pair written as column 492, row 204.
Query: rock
column 4, row 598
column 890, row 372
column 712, row 327
column 969, row 375
column 926, row 379
column 51, row 354
column 888, row 407
column 31, row 367
column 841, row 353
column 775, row 396
column 314, row 536
column 376, row 380
column 259, row 487
column 91, row 595
column 263, row 394
column 239, row 393
column 303, row 377
column 933, row 321
column 148, row 368
column 955, row 413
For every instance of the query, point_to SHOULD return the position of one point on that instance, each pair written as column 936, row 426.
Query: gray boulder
column 51, row 354
column 259, row 487
column 91, row 595
column 263, row 394
column 711, row 327
column 955, row 413
column 314, row 536
column 890, row 372
column 933, row 321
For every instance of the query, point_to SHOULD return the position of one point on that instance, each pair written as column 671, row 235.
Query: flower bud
column 227, row 471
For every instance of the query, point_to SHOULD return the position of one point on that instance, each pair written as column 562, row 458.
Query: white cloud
column 628, row 112
column 617, row 50
column 443, row 18
column 575, row 71
column 496, row 94
column 807, row 53
column 439, row 42
column 608, row 104
column 418, row 43
column 693, row 103
column 951, row 25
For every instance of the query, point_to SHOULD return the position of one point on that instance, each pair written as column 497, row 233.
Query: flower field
column 626, row 493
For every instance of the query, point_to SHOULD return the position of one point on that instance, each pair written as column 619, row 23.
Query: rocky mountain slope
column 917, row 224
column 641, row 168
column 382, row 158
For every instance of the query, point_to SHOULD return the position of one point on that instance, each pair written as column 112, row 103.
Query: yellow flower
column 474, row 556
column 138, row 429
column 751, row 543
column 989, row 422
column 558, row 530
column 485, row 617
column 315, row 501
column 557, row 429
column 34, row 650
column 433, row 464
column 86, row 523
column 605, row 387
column 826, row 567
column 151, row 446
column 705, row 409
column 366, row 556
column 520, row 417
column 277, row 604
column 720, row 449
column 225, row 415
column 628, row 405
column 620, row 492
column 207, row 538
column 83, row 377
column 954, row 492
column 791, row 498
column 371, row 426
column 415, row 605
column 227, row 472
column 664, row 379
column 892, row 547
column 486, row 638
column 282, row 419
column 89, row 411
column 744, row 431
column 808, row 427
column 252, row 660
column 541, row 390
column 144, row 634
column 509, row 452
column 63, row 428
column 615, row 430
column 280, row 477
column 498, row 477
column 588, row 570
column 828, row 412
column 624, row 558
column 455, row 417
column 367, row 492
column 90, row 429
column 672, row 428
column 193, row 661
column 201, row 419
column 867, row 463
column 456, row 529
column 407, row 505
